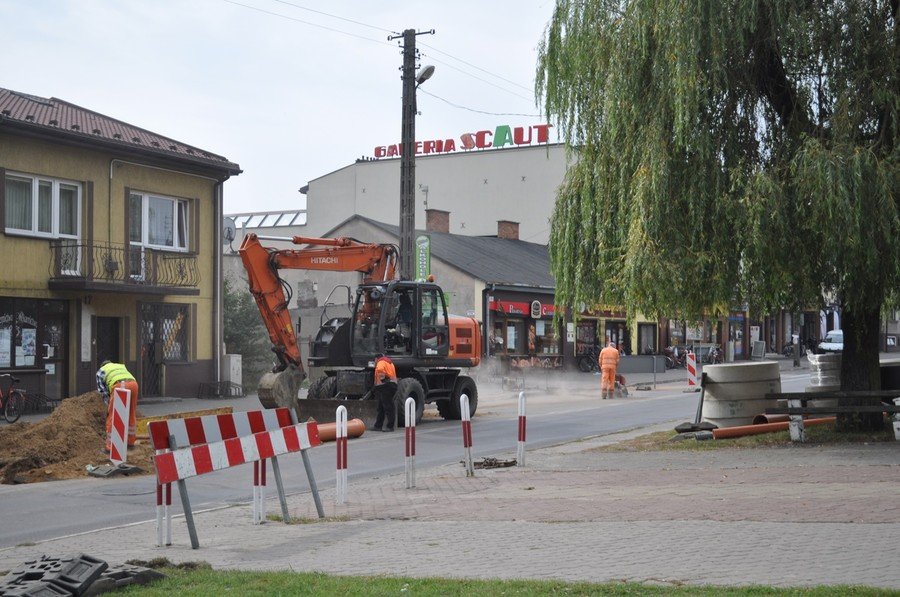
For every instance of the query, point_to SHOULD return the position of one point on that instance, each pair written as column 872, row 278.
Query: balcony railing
column 109, row 263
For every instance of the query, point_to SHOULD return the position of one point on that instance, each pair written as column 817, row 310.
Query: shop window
column 515, row 336
column 676, row 332
column 545, row 339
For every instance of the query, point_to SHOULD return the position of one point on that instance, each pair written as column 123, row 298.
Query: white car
column 833, row 342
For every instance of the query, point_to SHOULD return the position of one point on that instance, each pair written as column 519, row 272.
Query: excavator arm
column 377, row 262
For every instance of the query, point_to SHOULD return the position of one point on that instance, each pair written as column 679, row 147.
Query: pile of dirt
column 62, row 445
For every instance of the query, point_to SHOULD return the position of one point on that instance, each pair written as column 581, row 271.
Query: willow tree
column 728, row 152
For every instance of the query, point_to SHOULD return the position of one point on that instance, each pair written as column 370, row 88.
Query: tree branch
column 771, row 80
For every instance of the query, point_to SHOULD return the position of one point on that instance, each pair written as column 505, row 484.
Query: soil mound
column 63, row 444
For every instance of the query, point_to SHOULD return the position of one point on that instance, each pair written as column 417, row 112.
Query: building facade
column 111, row 244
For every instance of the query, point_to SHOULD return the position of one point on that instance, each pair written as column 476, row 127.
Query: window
column 158, row 222
column 42, row 206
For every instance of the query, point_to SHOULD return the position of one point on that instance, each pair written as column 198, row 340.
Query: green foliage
column 729, row 151
column 245, row 333
column 208, row 582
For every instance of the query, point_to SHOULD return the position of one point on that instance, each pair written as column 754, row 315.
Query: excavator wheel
column 406, row 387
column 324, row 388
column 449, row 409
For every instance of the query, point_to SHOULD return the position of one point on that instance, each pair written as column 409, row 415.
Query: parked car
column 833, row 342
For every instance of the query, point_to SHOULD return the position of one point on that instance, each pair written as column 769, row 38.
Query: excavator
column 405, row 320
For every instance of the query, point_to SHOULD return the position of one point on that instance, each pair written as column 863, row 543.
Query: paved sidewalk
column 792, row 516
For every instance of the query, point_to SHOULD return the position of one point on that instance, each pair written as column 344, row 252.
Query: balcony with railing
column 109, row 267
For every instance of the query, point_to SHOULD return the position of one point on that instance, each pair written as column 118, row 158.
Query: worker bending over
column 109, row 376
column 385, row 388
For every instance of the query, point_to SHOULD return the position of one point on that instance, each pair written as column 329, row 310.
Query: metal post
column 520, row 447
column 654, row 372
column 410, row 431
column 467, row 434
column 312, row 483
column 340, row 416
column 185, row 503
column 276, row 470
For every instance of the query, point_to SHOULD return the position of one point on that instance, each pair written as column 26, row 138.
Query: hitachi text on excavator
column 405, row 320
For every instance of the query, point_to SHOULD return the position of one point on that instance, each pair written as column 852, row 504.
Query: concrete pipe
column 735, row 392
column 328, row 431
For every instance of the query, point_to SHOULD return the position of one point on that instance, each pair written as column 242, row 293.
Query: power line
column 311, row 24
column 475, row 67
column 360, row 23
column 369, row 39
column 426, row 92
column 529, row 99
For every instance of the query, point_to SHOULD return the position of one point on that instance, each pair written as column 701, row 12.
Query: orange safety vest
column 385, row 368
column 609, row 358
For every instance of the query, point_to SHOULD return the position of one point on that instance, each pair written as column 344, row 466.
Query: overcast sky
column 286, row 92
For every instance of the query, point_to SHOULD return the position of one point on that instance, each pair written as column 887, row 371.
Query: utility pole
column 408, row 151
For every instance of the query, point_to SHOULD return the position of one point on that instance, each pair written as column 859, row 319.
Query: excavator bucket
column 281, row 389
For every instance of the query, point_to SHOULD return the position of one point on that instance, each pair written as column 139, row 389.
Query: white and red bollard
column 259, row 491
column 692, row 376
column 163, row 512
column 520, row 447
column 410, row 431
column 467, row 434
column 341, row 447
column 118, row 433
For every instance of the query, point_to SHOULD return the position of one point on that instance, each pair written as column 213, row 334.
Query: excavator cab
column 404, row 320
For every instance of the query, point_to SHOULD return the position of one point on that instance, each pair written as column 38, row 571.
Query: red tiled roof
column 69, row 120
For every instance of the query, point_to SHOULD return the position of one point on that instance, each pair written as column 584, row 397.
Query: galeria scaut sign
column 501, row 136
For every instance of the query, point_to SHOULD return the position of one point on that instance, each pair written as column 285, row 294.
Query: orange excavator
column 408, row 321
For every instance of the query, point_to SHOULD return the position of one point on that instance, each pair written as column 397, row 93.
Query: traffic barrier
column 691, row 365
column 198, row 445
column 410, row 435
column 118, row 433
column 520, row 448
column 142, row 422
column 340, row 430
column 467, row 434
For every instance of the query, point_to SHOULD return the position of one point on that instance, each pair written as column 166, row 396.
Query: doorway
column 107, row 340
column 647, row 338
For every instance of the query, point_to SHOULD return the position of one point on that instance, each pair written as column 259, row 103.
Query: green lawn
column 203, row 582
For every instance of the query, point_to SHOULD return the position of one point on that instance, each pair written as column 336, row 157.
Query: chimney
column 508, row 230
column 437, row 220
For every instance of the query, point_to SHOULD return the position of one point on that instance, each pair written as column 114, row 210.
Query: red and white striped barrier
column 410, row 434
column 185, row 463
column 118, row 433
column 467, row 434
column 340, row 440
column 198, row 445
column 691, row 365
column 520, row 447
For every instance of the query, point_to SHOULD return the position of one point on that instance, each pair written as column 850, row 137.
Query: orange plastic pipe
column 732, row 432
column 328, row 431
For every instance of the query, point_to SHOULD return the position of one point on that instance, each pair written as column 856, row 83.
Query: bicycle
column 13, row 401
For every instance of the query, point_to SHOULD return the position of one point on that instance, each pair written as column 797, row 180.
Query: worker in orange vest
column 112, row 375
column 608, row 361
column 385, row 388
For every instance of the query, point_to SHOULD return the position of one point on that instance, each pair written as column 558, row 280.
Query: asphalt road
column 41, row 511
